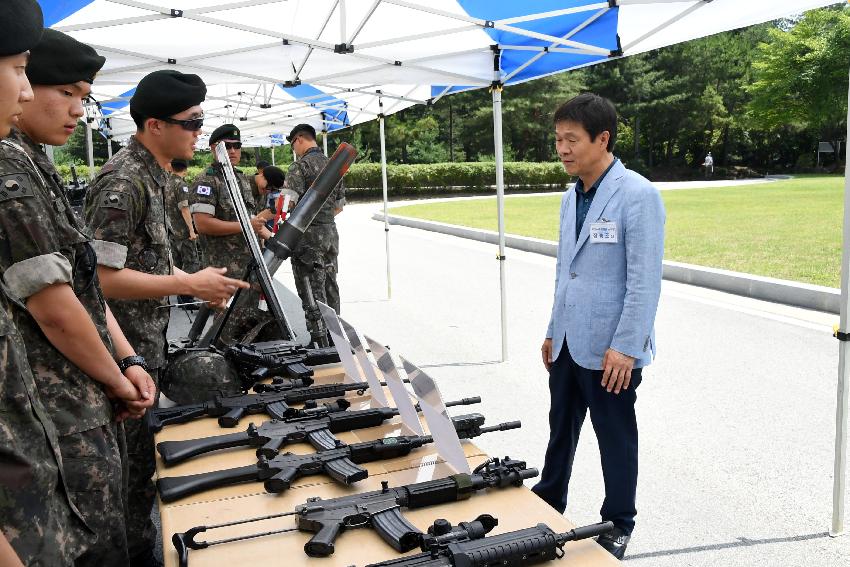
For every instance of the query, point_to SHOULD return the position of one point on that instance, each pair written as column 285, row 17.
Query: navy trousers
column 575, row 390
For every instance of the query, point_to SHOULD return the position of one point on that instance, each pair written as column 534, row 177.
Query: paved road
column 736, row 416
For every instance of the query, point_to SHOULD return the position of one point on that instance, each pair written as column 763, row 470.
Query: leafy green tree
column 801, row 74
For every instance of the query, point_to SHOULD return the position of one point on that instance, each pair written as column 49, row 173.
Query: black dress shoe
column 614, row 542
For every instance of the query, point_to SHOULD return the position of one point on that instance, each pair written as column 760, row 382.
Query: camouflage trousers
column 315, row 258
column 94, row 463
column 186, row 255
column 141, row 492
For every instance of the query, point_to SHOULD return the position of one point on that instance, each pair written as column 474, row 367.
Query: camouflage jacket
column 301, row 175
column 177, row 199
column 36, row 514
column 42, row 244
column 209, row 195
column 126, row 214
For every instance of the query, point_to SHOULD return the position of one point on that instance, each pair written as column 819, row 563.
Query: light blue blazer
column 606, row 294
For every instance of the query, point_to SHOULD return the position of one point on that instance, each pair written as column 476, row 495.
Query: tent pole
column 496, row 88
column 272, row 154
column 325, row 141
column 90, row 148
column 384, row 185
column 48, row 149
column 843, row 394
column 108, row 148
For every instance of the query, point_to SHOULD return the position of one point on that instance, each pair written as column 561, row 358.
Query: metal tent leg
column 384, row 185
column 500, row 204
column 843, row 394
column 90, row 149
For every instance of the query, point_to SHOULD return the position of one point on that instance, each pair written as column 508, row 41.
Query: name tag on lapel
column 603, row 232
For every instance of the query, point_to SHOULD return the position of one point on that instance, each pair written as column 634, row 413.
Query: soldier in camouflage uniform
column 184, row 246
column 315, row 257
column 222, row 241
column 38, row 521
column 73, row 342
column 126, row 212
column 36, row 513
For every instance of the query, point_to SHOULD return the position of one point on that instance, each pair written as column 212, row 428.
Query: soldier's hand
column 212, row 285
column 193, row 235
column 257, row 223
column 124, row 393
column 144, row 384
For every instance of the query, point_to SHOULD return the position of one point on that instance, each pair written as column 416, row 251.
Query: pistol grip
column 271, row 448
column 282, row 480
column 231, row 418
column 322, row 544
column 394, row 529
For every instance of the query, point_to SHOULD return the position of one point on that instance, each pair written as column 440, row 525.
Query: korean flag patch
column 185, row 189
column 204, row 190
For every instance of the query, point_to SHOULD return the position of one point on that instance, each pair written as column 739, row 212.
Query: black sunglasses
column 192, row 125
column 233, row 145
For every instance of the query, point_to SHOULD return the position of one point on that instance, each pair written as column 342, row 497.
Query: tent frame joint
column 290, row 84
column 175, row 13
column 343, row 48
column 843, row 337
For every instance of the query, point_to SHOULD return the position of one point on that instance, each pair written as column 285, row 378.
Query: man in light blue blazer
column 600, row 335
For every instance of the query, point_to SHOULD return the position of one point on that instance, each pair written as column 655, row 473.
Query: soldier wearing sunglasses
column 126, row 213
column 212, row 210
column 221, row 240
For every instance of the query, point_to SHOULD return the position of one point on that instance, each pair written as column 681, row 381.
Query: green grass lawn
column 786, row 229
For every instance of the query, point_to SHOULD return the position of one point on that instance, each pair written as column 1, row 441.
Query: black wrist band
column 134, row 360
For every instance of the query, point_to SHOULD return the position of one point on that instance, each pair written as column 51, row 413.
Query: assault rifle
column 467, row 546
column 270, row 436
column 339, row 463
column 257, row 361
column 230, row 409
column 379, row 510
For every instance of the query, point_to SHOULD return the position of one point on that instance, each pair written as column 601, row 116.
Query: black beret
column 301, row 129
column 164, row 93
column 59, row 59
column 274, row 175
column 225, row 132
column 262, row 164
column 21, row 26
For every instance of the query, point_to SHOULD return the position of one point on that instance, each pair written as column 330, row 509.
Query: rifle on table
column 270, row 436
column 379, row 510
column 258, row 361
column 230, row 409
column 339, row 463
column 466, row 546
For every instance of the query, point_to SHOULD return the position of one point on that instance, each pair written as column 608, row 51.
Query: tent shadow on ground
column 741, row 542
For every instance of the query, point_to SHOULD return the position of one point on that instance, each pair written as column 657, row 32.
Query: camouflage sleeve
column 204, row 195
column 31, row 255
column 114, row 208
column 295, row 182
column 183, row 192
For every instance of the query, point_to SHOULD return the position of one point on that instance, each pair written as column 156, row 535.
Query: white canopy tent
column 271, row 64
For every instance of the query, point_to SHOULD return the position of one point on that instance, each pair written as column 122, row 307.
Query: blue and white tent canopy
column 341, row 58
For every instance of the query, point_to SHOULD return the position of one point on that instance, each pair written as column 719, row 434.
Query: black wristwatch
column 134, row 360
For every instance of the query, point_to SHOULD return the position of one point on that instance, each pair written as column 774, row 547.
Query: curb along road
column 808, row 296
